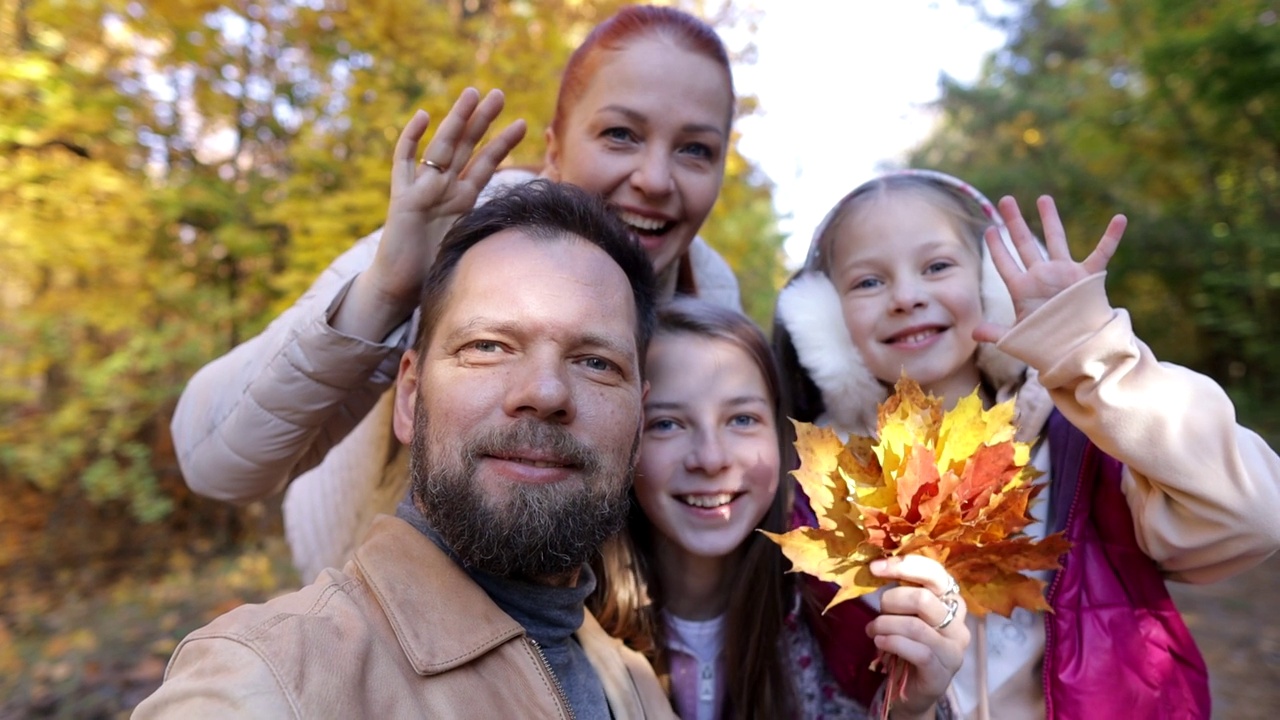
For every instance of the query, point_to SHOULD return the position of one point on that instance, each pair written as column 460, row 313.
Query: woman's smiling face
column 649, row 134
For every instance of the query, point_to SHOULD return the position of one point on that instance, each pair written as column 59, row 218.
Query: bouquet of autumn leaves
column 952, row 486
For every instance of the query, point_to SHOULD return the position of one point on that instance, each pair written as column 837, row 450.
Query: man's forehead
column 519, row 245
column 518, row 270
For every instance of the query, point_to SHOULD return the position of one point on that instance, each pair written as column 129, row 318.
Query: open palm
column 427, row 197
column 1043, row 277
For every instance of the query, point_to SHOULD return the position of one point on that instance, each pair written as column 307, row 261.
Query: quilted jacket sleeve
column 1203, row 490
column 270, row 409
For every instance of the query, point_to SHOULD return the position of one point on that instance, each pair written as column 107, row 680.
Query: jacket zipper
column 1052, row 594
column 555, row 681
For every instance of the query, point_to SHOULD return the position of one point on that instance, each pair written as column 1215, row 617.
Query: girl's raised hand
column 922, row 623
column 1043, row 277
column 427, row 195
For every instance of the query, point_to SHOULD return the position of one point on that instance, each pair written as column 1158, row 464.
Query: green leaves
column 1165, row 111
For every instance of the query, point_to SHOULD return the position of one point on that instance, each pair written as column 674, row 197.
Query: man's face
column 524, row 416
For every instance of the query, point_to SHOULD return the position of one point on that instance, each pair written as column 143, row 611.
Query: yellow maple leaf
column 954, row 486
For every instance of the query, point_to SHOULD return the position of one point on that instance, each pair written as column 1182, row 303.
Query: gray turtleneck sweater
column 550, row 616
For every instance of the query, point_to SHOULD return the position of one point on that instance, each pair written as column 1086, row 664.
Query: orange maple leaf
column 954, row 486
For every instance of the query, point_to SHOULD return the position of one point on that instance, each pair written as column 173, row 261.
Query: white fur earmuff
column 809, row 308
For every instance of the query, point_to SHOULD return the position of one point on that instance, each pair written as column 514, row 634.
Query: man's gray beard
column 536, row 531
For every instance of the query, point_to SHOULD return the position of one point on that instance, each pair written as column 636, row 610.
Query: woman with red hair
column 642, row 119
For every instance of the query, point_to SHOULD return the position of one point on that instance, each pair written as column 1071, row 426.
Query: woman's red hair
column 637, row 21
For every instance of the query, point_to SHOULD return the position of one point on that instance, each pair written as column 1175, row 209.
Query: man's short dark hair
column 547, row 211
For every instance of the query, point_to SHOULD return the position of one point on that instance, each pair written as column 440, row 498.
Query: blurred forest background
column 173, row 173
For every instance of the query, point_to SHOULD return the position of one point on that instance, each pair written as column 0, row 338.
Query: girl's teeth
column 917, row 337
column 640, row 222
column 707, row 501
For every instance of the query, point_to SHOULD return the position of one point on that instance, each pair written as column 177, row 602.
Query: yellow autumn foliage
column 954, row 486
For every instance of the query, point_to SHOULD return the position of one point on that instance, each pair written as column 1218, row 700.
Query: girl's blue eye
column 743, row 420
column 662, row 424
column 866, row 284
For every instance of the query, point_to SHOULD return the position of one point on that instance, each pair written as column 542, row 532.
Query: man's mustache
column 539, row 438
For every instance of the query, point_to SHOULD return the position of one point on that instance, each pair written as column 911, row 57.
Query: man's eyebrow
column 586, row 339
column 639, row 118
column 478, row 324
column 613, row 345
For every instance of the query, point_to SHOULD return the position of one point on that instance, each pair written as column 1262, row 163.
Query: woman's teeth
column 642, row 224
column 706, row 501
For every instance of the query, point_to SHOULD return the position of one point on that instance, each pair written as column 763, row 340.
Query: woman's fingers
column 440, row 150
column 476, row 126
column 481, row 167
column 405, row 157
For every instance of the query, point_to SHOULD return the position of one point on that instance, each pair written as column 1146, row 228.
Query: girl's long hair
column 629, row 595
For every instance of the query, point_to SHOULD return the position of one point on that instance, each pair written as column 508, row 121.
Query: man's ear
column 644, row 391
column 551, row 160
column 406, row 397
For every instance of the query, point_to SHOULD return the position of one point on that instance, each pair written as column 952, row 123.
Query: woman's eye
column 620, row 134
column 698, row 150
column 743, row 420
column 662, row 424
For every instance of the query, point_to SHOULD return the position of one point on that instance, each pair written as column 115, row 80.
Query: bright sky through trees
column 843, row 87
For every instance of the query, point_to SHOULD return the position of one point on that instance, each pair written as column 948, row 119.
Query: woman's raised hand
column 1043, row 277
column 427, row 195
column 922, row 623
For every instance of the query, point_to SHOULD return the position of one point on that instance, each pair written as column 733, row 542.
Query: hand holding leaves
column 907, row 631
column 952, row 486
column 1043, row 277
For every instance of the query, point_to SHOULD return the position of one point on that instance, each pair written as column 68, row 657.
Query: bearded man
column 522, row 405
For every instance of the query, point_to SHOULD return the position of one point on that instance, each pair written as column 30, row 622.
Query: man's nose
column 541, row 387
